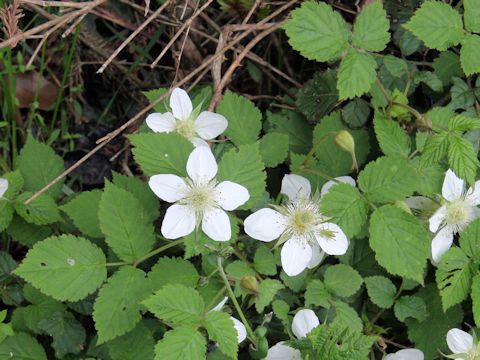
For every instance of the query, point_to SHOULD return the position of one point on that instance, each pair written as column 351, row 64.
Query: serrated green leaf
column 356, row 74
column 435, row 148
column 281, row 309
column 381, row 291
column 177, row 304
column 406, row 41
column 23, row 347
column 430, row 79
column 83, row 210
column 274, row 148
column 125, row 223
column 173, row 271
column 342, row 280
column 6, row 214
column 220, row 329
column 469, row 55
column 370, row 31
column 475, row 294
column 391, row 137
column 117, row 307
column 395, row 66
column 471, row 16
column 296, row 283
column 181, row 344
column 153, row 95
column 470, row 240
column 446, row 66
column 410, row 307
column 244, row 119
column 346, row 316
column 267, row 290
column 430, row 178
column 136, row 344
column 245, row 167
column 264, row 261
column 400, row 242
column 27, row 234
column 161, row 153
column 356, row 113
column 77, row 265
column 294, row 125
column 462, row 158
column 317, row 31
column 41, row 211
column 462, row 95
column 463, row 123
column 437, row 24
column 317, row 294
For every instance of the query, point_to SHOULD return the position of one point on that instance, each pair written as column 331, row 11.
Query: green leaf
column 39, row 165
column 435, row 148
column 317, row 31
column 6, row 214
column 463, row 123
column 41, row 211
column 370, row 31
column 267, row 290
column 391, row 137
column 220, row 329
column 388, row 179
column 342, row 280
column 136, row 344
column 346, row 316
column 117, row 307
column 400, row 242
column 177, row 304
column 410, row 306
column 471, row 15
column 294, row 125
column 381, row 291
column 437, row 24
column 470, row 240
column 173, row 271
column 356, row 113
column 430, row 79
column 153, row 95
column 462, row 95
column 244, row 119
column 83, row 210
column 161, row 153
column 469, row 55
column 25, row 233
column 77, row 266
column 244, row 167
column 475, row 294
column 356, row 74
column 395, row 66
column 21, row 346
column 447, row 66
column 462, row 158
column 454, row 277
column 264, row 261
column 125, row 223
column 181, row 344
column 317, row 294
column 274, row 148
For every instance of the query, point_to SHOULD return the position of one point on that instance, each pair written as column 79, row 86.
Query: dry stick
column 40, row 44
column 132, row 35
column 106, row 139
column 70, row 4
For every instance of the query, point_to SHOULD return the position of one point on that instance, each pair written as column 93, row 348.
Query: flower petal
column 231, row 195
column 441, row 243
column 459, row 341
column 473, row 194
column 216, row 225
column 161, row 122
column 209, row 125
column 337, row 245
column 303, row 322
column 419, row 202
column 3, row 186
column 317, row 256
column 406, row 354
column 294, row 185
column 296, row 255
column 220, row 305
column 283, row 352
column 342, row 179
column 265, row 224
column 241, row 330
column 179, row 221
column 453, row 186
column 437, row 218
column 168, row 187
column 181, row 104
column 196, row 141
column 201, row 165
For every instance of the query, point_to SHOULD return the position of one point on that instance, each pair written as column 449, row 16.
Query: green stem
column 384, row 92
column 157, row 251
column 250, row 332
column 315, row 147
column 121, row 263
column 397, row 295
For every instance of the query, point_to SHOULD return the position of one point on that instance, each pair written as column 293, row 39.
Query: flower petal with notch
column 3, row 186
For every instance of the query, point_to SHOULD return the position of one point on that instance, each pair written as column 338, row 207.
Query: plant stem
column 315, row 147
column 157, row 251
column 117, row 263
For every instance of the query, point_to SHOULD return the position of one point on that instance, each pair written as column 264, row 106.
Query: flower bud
column 249, row 283
column 345, row 141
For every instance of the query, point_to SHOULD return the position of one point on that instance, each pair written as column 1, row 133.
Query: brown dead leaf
column 26, row 85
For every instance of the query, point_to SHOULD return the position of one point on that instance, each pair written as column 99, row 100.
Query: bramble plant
column 346, row 226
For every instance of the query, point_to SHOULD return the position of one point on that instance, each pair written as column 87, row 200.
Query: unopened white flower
column 303, row 322
column 459, row 210
column 406, row 354
column 301, row 225
column 239, row 327
column 198, row 199
column 461, row 343
column 186, row 121
column 3, row 187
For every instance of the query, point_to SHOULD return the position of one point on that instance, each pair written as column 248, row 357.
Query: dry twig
column 10, row 16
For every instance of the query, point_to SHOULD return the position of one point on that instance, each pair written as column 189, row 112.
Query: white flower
column 198, row 198
column 461, row 342
column 455, row 214
column 186, row 121
column 3, row 187
column 301, row 225
column 239, row 327
column 303, row 322
column 406, row 354
column 341, row 179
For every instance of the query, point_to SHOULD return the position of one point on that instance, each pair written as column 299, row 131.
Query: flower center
column 304, row 216
column 186, row 128
column 474, row 353
column 302, row 220
column 457, row 214
column 201, row 197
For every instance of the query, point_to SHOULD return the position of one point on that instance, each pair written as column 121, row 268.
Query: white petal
column 441, row 243
column 303, row 322
column 168, row 187
column 453, row 186
column 181, row 104
column 3, row 186
column 473, row 194
column 179, row 221
column 437, row 218
column 209, row 125
column 317, row 256
column 283, row 352
column 220, row 305
column 265, row 224
column 295, row 185
column 231, row 195
column 201, row 165
column 196, row 141
column 337, row 245
column 161, row 122
column 241, row 330
column 296, row 255
column 406, row 354
column 216, row 225
column 419, row 202
column 343, row 179
column 459, row 341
